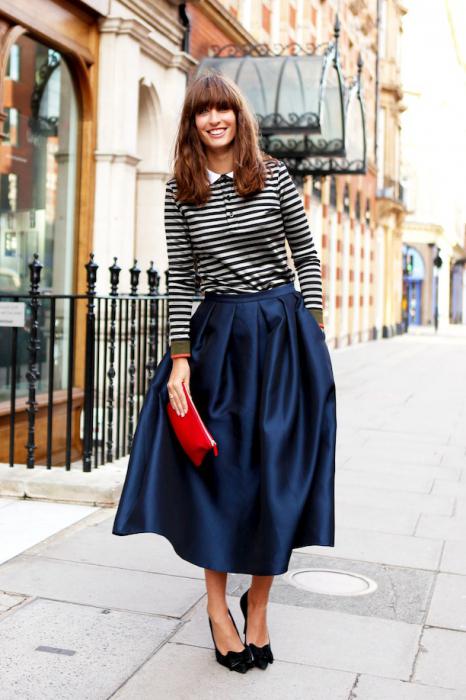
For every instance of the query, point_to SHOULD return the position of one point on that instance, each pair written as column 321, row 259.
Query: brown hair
column 250, row 164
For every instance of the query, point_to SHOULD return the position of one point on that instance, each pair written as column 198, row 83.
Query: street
column 87, row 615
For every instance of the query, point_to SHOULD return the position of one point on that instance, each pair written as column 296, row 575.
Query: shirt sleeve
column 181, row 276
column 299, row 237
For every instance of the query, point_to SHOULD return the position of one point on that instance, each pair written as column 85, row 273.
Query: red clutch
column 191, row 432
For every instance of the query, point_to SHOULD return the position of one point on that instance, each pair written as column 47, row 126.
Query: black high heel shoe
column 240, row 661
column 262, row 655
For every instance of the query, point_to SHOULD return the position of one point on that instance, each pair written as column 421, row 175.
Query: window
column 11, row 127
column 38, row 182
column 8, row 194
column 37, row 201
column 13, row 64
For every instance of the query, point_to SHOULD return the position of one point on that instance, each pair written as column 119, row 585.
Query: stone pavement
column 87, row 615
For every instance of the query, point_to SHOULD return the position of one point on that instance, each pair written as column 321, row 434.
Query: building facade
column 356, row 219
column 435, row 227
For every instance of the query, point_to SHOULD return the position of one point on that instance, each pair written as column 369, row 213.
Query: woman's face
column 216, row 127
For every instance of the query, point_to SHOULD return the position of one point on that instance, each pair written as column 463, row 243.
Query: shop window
column 38, row 183
column 37, row 204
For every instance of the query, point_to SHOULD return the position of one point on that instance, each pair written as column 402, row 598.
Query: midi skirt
column 262, row 381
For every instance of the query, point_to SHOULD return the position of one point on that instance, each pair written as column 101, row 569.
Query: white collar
column 213, row 177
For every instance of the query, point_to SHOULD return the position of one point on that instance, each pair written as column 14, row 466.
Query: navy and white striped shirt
column 237, row 244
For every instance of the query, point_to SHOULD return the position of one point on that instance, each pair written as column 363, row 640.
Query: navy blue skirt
column 262, row 380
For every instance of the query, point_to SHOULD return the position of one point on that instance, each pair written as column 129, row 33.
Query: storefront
column 48, row 52
column 47, row 86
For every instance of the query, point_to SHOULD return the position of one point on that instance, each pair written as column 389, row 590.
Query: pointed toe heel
column 262, row 655
column 239, row 661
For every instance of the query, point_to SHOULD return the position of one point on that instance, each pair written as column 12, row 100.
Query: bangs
column 212, row 91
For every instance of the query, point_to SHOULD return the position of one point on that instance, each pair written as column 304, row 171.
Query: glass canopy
column 298, row 100
column 354, row 159
column 306, row 115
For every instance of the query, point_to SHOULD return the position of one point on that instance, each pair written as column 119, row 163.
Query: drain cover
column 331, row 581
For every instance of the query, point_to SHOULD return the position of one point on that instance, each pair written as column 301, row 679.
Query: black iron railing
column 74, row 375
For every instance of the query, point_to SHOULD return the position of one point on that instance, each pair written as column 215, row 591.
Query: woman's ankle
column 217, row 612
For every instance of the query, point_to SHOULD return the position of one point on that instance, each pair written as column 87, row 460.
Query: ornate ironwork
column 153, row 280
column 324, row 166
column 32, row 374
column 260, row 50
column 134, row 272
column 91, row 273
column 115, row 270
column 293, row 147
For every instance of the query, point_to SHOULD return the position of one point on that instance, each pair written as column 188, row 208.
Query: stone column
column 116, row 155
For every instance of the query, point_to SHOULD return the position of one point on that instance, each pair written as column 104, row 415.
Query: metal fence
column 74, row 369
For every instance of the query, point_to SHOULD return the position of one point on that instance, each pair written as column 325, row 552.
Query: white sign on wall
column 12, row 314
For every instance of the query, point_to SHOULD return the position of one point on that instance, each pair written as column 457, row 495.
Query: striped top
column 237, row 244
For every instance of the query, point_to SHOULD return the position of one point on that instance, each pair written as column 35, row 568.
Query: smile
column 217, row 132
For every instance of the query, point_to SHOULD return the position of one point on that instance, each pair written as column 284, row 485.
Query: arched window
column 38, row 173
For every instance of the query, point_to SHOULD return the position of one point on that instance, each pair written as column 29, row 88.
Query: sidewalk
column 87, row 615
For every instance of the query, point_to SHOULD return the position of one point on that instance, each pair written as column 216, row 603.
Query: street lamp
column 437, row 264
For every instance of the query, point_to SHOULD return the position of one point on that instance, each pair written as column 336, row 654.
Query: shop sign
column 12, row 314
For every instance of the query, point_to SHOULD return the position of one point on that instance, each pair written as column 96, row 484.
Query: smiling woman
column 255, row 359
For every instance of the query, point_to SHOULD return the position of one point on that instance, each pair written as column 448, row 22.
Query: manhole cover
column 331, row 581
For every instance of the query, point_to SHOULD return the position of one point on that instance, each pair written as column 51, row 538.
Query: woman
column 254, row 360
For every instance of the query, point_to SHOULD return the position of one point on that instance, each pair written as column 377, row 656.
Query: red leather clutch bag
column 191, row 432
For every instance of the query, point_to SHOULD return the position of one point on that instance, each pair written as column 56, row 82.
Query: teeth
column 216, row 131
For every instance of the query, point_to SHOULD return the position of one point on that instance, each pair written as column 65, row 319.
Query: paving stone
column 449, row 488
column 16, row 533
column 104, row 586
column 441, row 661
column 448, row 605
column 101, row 648
column 401, row 437
column 442, row 527
column 101, row 487
column 416, row 454
column 9, row 601
column 97, row 545
column 385, row 479
column 376, row 518
column 161, row 678
column 371, row 688
column 398, row 499
column 398, row 550
column 402, row 470
column 324, row 638
column 401, row 593
column 454, row 557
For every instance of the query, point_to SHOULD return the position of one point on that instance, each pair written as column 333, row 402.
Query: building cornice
column 117, row 157
column 149, row 41
column 422, row 227
column 154, row 12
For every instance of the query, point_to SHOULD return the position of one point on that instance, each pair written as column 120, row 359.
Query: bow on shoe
column 262, row 655
column 238, row 658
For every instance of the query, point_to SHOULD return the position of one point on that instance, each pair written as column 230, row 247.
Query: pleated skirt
column 262, row 380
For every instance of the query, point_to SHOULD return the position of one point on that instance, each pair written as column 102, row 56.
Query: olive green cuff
column 318, row 315
column 179, row 347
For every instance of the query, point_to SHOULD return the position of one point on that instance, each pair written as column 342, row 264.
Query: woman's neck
column 220, row 162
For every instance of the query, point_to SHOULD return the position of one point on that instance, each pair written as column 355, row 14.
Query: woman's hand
column 180, row 374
